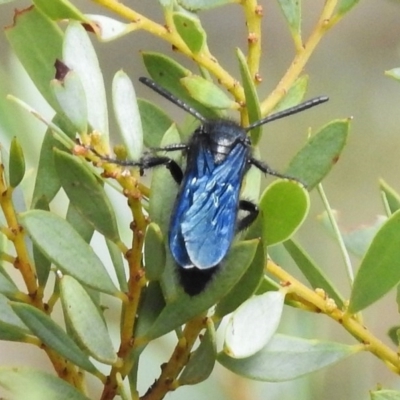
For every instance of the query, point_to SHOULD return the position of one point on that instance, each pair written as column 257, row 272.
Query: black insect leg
column 247, row 220
column 148, row 162
column 267, row 170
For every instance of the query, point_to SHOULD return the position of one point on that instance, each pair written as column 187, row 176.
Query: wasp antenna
column 290, row 111
column 172, row 98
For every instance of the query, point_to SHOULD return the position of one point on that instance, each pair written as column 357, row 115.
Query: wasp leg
column 248, row 219
column 268, row 170
column 148, row 162
column 171, row 147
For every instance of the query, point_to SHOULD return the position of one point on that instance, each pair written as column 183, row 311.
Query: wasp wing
column 204, row 220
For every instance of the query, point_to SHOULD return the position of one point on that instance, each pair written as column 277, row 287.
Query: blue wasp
column 205, row 217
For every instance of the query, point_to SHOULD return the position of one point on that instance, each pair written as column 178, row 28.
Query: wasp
column 205, row 217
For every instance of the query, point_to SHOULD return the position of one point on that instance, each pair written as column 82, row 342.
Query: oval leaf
column 184, row 307
column 8, row 316
column 60, row 9
column 80, row 56
column 312, row 271
column 157, row 64
column 126, row 112
column 202, row 360
column 250, row 92
column 385, row 395
column 252, row 325
column 40, row 385
column 207, row 93
column 107, row 28
column 66, row 249
column 196, row 5
column 284, row 205
column 294, row 95
column 37, row 42
column 379, row 270
column 155, row 123
column 70, row 94
column 313, row 162
column 86, row 194
column 190, row 30
column 245, row 287
column 291, row 9
column 285, row 358
column 52, row 335
column 391, row 196
column 16, row 163
column 154, row 252
column 86, row 322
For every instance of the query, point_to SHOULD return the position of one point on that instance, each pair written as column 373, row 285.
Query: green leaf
column 163, row 187
column 7, row 286
column 60, row 9
column 86, row 322
column 16, row 163
column 294, row 95
column 202, row 360
column 86, row 193
column 47, row 183
column 207, row 93
column 190, row 30
column 127, row 115
column 154, row 252
column 8, row 316
column 61, row 244
column 246, row 286
column 70, row 94
column 40, row 385
column 155, row 123
column 183, row 307
column 252, row 325
column 52, row 335
column 291, row 9
column 311, row 271
column 197, row 5
column 168, row 73
column 391, row 196
column 378, row 272
column 11, row 327
column 151, row 305
column 345, row 6
column 81, row 225
column 394, row 73
column 359, row 240
column 252, row 181
column 118, row 263
column 394, row 334
column 284, row 205
column 80, row 56
column 250, row 92
column 285, row 358
column 37, row 42
column 107, row 29
column 385, row 395
column 313, row 162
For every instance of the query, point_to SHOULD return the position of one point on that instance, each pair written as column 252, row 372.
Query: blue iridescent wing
column 204, row 220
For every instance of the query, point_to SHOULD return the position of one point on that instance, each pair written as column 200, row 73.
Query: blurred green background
column 348, row 66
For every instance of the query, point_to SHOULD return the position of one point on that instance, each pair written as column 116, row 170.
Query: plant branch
column 348, row 321
column 253, row 13
column 300, row 60
column 179, row 358
column 169, row 34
